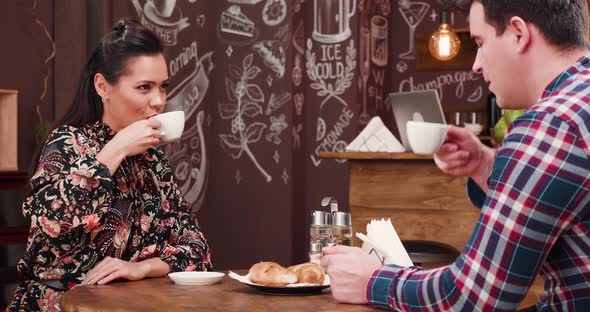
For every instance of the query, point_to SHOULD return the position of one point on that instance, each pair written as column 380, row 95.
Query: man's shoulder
column 571, row 103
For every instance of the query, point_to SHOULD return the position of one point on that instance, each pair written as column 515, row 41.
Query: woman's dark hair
column 127, row 39
column 564, row 23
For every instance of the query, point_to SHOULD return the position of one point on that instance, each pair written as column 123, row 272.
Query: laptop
column 416, row 105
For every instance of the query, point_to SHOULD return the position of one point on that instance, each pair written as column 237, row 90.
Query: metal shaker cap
column 320, row 218
column 330, row 201
column 341, row 218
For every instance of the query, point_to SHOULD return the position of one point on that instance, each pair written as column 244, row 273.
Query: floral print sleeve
column 184, row 247
column 70, row 189
column 80, row 214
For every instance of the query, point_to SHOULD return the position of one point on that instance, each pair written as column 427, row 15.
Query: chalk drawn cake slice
column 233, row 21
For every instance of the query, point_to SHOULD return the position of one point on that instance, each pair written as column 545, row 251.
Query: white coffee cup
column 425, row 137
column 172, row 125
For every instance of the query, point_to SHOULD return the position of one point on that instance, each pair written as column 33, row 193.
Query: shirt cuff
column 475, row 194
column 381, row 284
column 169, row 254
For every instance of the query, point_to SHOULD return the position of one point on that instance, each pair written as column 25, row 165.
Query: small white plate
column 196, row 278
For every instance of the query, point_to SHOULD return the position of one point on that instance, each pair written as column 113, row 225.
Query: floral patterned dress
column 80, row 214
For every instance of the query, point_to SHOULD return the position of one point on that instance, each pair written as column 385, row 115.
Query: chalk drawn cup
column 379, row 44
column 164, row 8
column 331, row 20
column 172, row 125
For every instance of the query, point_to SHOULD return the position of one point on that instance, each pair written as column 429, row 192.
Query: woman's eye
column 143, row 87
column 164, row 87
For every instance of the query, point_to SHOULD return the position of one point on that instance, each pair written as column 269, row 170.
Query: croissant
column 308, row 273
column 271, row 274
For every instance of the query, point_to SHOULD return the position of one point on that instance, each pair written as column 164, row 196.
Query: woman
column 104, row 204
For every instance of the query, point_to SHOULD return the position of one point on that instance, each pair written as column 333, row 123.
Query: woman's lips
column 150, row 116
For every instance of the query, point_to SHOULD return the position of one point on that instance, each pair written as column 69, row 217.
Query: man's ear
column 521, row 31
column 101, row 86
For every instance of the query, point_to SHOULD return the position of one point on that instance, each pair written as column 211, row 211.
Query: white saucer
column 196, row 278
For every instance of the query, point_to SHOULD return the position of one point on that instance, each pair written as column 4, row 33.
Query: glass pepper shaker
column 341, row 223
column 341, row 228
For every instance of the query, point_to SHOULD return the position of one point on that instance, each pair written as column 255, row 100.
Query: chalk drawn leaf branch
column 245, row 101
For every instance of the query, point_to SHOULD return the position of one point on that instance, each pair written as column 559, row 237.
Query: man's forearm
column 485, row 169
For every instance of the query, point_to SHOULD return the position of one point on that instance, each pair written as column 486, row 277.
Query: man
column 533, row 191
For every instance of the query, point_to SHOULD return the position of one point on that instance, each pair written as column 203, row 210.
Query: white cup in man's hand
column 172, row 125
column 425, row 137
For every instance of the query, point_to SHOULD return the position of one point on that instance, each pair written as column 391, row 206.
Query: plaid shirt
column 534, row 219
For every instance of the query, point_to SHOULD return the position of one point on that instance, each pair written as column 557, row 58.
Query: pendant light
column 444, row 44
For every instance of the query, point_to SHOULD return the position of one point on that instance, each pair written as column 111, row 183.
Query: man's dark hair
column 564, row 23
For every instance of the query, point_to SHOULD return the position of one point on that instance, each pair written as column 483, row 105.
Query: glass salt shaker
column 320, row 230
column 315, row 252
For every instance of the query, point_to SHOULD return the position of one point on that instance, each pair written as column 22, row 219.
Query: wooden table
column 161, row 294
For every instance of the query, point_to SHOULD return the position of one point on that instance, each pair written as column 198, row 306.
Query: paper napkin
column 375, row 137
column 382, row 241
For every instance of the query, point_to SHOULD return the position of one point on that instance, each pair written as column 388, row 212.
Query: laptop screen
column 418, row 106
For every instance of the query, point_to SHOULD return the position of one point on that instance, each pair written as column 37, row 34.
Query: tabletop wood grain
column 161, row 294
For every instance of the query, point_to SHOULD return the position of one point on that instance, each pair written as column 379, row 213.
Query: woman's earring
column 104, row 99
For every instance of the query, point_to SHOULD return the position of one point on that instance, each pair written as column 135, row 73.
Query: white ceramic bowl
column 172, row 125
column 196, row 278
column 425, row 137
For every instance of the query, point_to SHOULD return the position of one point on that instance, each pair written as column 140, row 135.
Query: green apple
column 507, row 118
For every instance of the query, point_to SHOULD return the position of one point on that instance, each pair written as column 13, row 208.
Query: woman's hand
column 138, row 136
column 110, row 269
column 463, row 154
column 131, row 140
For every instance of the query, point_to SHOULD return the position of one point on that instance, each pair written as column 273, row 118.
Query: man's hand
column 463, row 154
column 350, row 269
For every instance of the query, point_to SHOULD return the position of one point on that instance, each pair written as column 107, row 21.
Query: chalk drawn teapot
column 331, row 20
